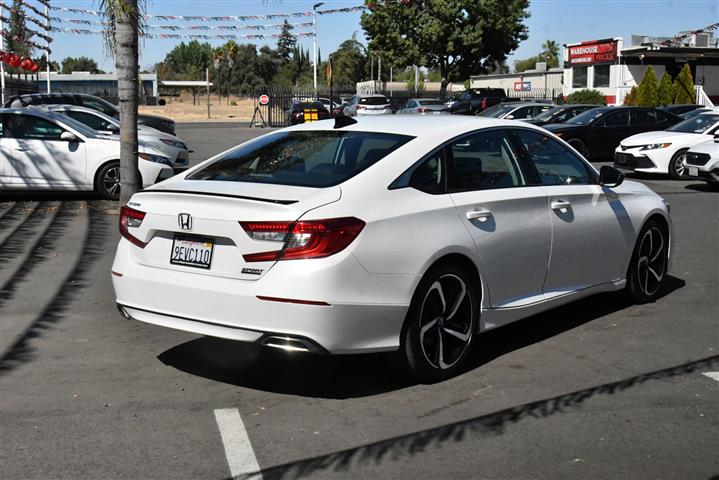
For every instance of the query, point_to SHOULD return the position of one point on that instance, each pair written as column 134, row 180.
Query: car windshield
column 373, row 101
column 695, row 112
column 302, row 158
column 589, row 116
column 75, row 125
column 426, row 103
column 698, row 124
column 498, row 110
column 547, row 114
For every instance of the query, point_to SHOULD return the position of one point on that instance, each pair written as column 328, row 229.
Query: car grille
column 628, row 160
column 698, row 159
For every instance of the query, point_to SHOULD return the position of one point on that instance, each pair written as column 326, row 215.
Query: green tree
column 667, row 91
column 685, row 86
column 125, row 23
column 549, row 55
column 286, row 42
column 80, row 64
column 187, row 61
column 631, row 98
column 648, row 91
column 458, row 37
column 348, row 62
column 15, row 42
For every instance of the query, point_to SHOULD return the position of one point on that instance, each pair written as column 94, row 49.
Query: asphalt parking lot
column 598, row 389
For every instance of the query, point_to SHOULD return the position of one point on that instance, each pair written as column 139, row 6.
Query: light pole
column 314, row 45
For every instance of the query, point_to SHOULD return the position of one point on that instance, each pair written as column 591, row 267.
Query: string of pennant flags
column 276, row 26
column 204, row 18
column 81, row 31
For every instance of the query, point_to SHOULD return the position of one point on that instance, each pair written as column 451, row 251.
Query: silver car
column 516, row 111
column 424, row 106
column 374, row 104
column 171, row 146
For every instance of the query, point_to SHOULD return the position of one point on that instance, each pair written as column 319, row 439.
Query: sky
column 565, row 21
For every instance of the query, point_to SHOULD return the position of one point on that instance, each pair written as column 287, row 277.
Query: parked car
column 516, row 111
column 665, row 151
column 559, row 114
column 330, row 106
column 356, row 236
column 171, row 146
column 679, row 109
column 597, row 132
column 424, row 106
column 702, row 161
column 44, row 150
column 162, row 124
column 306, row 111
column 694, row 113
column 368, row 105
column 476, row 100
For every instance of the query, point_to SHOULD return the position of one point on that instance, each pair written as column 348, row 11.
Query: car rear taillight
column 423, row 110
column 361, row 107
column 305, row 239
column 131, row 218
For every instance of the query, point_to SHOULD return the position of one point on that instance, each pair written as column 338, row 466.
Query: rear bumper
column 230, row 308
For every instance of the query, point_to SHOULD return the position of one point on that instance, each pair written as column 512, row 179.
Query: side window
column 2, row 122
column 643, row 117
column 482, row 161
column 554, row 163
column 28, row 127
column 616, row 119
column 524, row 112
column 411, row 104
column 429, row 177
column 466, row 96
column 660, row 116
column 96, row 123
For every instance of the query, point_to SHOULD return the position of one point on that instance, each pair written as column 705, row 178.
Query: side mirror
column 113, row 128
column 610, row 177
column 69, row 137
column 509, row 117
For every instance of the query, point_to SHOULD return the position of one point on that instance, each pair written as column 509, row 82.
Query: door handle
column 560, row 204
column 479, row 214
column 20, row 149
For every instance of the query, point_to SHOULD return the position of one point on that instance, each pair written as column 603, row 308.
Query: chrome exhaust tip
column 289, row 344
column 123, row 312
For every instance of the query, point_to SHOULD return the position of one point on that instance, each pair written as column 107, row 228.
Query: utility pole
column 379, row 70
column 47, row 50
column 416, row 79
column 314, row 45
column 2, row 65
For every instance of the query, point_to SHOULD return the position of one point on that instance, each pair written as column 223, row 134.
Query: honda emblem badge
column 185, row 221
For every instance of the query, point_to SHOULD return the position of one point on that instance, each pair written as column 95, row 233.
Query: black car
column 302, row 112
column 476, row 100
column 597, row 132
column 679, row 109
column 559, row 114
column 163, row 124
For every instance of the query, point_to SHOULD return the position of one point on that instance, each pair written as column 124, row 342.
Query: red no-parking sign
column 264, row 99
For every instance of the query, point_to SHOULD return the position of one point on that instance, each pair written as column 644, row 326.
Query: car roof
column 417, row 125
column 367, row 95
column 425, row 98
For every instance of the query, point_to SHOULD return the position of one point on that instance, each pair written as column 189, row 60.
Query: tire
column 648, row 267
column 107, row 181
column 441, row 324
column 676, row 165
column 578, row 145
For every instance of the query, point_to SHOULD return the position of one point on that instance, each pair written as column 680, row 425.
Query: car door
column 508, row 220
column 40, row 157
column 591, row 229
column 5, row 156
column 607, row 132
column 643, row 120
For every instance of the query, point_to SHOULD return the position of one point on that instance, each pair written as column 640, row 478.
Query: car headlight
column 655, row 146
column 155, row 158
column 174, row 143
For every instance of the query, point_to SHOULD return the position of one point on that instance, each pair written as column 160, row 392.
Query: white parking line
column 238, row 449
column 712, row 375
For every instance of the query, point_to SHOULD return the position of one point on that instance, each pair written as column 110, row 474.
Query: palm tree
column 550, row 50
column 126, row 21
column 218, row 55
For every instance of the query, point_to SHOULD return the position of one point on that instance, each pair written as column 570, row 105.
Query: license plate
column 192, row 251
column 693, row 171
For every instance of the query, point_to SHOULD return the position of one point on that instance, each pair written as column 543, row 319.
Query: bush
column 685, row 86
column 667, row 91
column 648, row 91
column 631, row 98
column 592, row 97
column 233, row 103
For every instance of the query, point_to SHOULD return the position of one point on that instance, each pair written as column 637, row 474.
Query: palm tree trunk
column 126, row 63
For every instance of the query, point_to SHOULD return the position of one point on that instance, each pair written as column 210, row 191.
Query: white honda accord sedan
column 346, row 236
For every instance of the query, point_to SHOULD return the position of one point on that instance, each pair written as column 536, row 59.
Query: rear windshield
column 498, row 111
column 585, row 118
column 302, row 158
column 373, row 101
column 430, row 102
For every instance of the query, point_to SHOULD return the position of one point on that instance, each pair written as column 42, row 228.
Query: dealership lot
column 597, row 389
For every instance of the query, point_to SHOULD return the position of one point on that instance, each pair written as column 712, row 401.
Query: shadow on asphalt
column 94, row 245
column 704, row 187
column 490, row 425
column 45, row 196
column 354, row 376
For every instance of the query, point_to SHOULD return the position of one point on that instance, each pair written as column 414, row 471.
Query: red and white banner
column 594, row 52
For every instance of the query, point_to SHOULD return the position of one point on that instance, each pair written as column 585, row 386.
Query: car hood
column 662, row 136
column 113, row 141
column 710, row 146
column 564, row 127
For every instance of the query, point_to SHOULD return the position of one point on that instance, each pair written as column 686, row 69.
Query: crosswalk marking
column 712, row 375
column 238, row 449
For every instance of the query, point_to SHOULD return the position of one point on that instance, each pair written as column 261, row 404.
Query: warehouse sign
column 593, row 53
column 522, row 86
